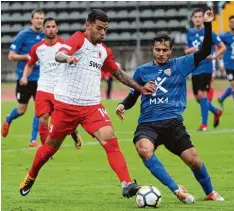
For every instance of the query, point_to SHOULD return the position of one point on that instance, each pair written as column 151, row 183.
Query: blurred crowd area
column 132, row 25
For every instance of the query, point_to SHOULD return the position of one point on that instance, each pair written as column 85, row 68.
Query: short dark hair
column 36, row 11
column 231, row 17
column 49, row 19
column 97, row 14
column 163, row 36
column 196, row 11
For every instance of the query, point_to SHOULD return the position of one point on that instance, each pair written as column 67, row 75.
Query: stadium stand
column 153, row 16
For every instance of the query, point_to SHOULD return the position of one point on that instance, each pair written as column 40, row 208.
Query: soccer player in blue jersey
column 19, row 50
column 201, row 76
column 228, row 60
column 160, row 120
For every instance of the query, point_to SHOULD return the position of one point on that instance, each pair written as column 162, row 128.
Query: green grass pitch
column 81, row 180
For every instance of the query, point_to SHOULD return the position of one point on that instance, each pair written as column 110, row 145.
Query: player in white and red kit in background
column 78, row 100
column 50, row 70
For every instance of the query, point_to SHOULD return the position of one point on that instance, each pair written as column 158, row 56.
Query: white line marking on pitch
column 223, row 131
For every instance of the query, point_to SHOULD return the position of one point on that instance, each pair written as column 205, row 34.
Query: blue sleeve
column 137, row 78
column 17, row 43
column 222, row 37
column 188, row 42
column 215, row 39
column 186, row 64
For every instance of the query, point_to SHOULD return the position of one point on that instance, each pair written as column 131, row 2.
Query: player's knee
column 202, row 94
column 194, row 162
column 44, row 119
column 22, row 109
column 144, row 152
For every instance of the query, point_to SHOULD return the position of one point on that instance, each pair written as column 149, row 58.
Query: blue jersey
column 22, row 44
column 194, row 39
column 169, row 99
column 228, row 58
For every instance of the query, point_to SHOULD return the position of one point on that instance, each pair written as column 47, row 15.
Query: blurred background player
column 50, row 70
column 108, row 77
column 78, row 100
column 19, row 50
column 228, row 60
column 201, row 77
column 161, row 120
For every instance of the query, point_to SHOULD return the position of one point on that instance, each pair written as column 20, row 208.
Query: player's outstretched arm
column 62, row 57
column 13, row 56
column 125, row 79
column 207, row 42
column 27, row 72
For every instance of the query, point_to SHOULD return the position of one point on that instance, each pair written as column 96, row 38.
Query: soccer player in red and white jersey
column 50, row 70
column 77, row 100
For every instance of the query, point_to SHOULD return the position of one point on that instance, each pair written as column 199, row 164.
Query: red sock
column 43, row 131
column 117, row 160
column 43, row 153
column 210, row 94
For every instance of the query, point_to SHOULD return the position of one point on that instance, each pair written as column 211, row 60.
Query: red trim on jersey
column 109, row 64
column 32, row 59
column 73, row 43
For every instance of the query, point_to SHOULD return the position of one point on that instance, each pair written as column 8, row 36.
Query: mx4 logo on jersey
column 159, row 87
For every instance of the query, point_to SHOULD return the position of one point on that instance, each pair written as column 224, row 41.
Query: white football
column 148, row 196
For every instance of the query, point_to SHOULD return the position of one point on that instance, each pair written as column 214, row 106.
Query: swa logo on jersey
column 95, row 64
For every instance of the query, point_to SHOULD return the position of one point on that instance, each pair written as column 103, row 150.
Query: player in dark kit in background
column 19, row 50
column 160, row 120
column 228, row 60
column 201, row 76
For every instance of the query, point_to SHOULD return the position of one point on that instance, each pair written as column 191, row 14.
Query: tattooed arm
column 121, row 76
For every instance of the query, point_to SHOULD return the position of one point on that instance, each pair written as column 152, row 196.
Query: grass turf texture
column 82, row 179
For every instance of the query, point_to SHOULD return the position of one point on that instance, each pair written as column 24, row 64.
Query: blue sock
column 13, row 115
column 203, row 178
column 157, row 169
column 233, row 94
column 212, row 108
column 226, row 93
column 35, row 125
column 204, row 104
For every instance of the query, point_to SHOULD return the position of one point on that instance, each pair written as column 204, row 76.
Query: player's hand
column 120, row 111
column 149, row 88
column 211, row 57
column 209, row 15
column 23, row 81
column 72, row 60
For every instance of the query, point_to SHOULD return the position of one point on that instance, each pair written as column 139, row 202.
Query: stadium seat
column 173, row 24
column 29, row 5
column 16, row 27
column 51, row 14
column 113, row 25
column 161, row 24
column 132, row 14
column 171, row 13
column 64, row 27
column 148, row 24
column 50, row 5
column 5, row 6
column 146, row 13
column 159, row 13
column 183, row 12
column 77, row 4
column 122, row 14
column 63, row 16
column 6, row 39
column 6, row 28
column 124, row 25
column 75, row 26
column 65, row 36
column 62, row 4
column 16, row 6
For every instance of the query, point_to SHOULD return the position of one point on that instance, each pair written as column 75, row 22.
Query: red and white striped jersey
column 79, row 83
column 50, row 70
